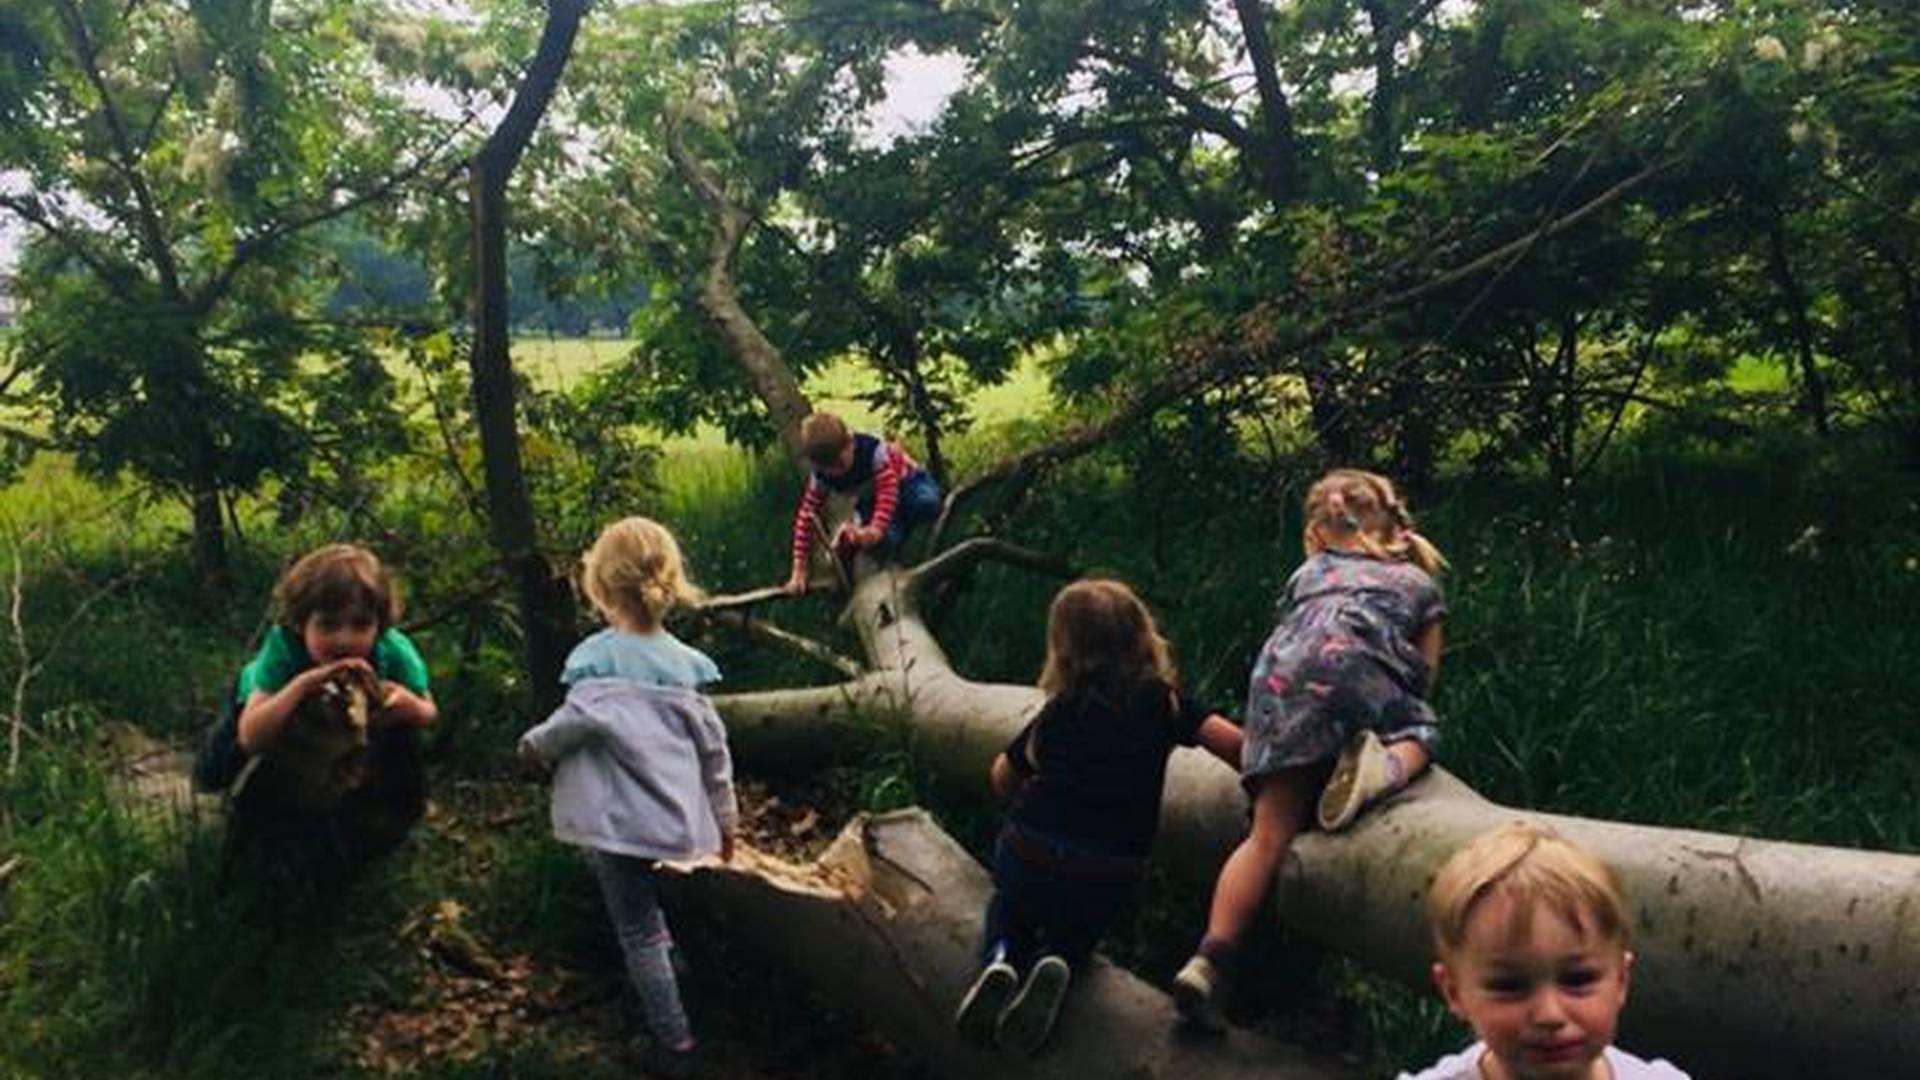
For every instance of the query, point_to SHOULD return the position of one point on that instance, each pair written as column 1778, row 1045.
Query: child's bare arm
column 1005, row 780
column 1221, row 738
column 400, row 705
column 1429, row 643
column 265, row 714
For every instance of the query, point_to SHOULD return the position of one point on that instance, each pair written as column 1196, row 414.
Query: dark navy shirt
column 1101, row 766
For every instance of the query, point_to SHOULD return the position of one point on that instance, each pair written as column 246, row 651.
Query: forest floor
column 467, row 997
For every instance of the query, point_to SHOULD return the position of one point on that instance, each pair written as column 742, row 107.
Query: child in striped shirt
column 893, row 493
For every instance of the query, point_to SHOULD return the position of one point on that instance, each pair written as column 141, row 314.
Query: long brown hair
column 1101, row 638
column 1363, row 507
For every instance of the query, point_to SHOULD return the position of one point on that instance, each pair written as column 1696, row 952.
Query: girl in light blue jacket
column 640, row 765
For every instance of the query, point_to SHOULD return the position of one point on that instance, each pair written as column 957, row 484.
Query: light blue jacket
column 638, row 770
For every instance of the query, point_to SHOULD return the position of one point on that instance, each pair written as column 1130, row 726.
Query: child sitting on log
column 893, row 493
column 641, row 768
column 322, row 726
column 1086, row 776
column 1531, row 932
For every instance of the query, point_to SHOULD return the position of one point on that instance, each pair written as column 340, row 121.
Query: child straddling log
column 1530, row 934
column 332, row 632
column 1086, row 776
column 1345, row 674
column 640, row 761
column 893, row 493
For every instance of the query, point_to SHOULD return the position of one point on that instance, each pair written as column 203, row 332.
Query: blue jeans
column 917, row 500
column 626, row 883
column 1036, row 912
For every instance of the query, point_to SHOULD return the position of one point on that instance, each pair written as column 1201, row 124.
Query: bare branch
column 714, row 605
column 964, row 556
column 787, row 639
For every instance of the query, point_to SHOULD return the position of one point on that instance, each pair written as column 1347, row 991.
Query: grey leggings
column 627, row 885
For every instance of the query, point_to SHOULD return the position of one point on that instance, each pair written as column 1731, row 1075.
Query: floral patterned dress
column 1343, row 657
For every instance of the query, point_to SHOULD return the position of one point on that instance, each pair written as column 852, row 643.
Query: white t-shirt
column 1465, row 1065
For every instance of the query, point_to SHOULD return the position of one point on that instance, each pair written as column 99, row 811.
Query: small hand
column 795, row 585
column 319, row 675
column 532, row 765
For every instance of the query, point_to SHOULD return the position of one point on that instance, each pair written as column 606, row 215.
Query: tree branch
column 763, row 630
column 1204, row 113
column 260, row 243
column 1254, row 347
column 964, row 556
column 153, row 235
column 30, row 211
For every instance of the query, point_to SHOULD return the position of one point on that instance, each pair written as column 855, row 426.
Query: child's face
column 338, row 635
column 842, row 463
column 1545, row 1003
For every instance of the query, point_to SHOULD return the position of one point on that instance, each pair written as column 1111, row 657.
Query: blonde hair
column 1101, row 637
column 1530, row 865
column 823, row 436
column 335, row 578
column 1365, row 506
column 635, row 570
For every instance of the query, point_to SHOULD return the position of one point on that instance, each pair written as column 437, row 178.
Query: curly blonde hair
column 1363, row 507
column 634, row 573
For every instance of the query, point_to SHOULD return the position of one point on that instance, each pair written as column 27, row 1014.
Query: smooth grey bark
column 1755, row 958
column 885, row 924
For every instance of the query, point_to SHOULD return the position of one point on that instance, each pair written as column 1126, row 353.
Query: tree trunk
column 546, row 604
column 1813, row 386
column 1755, row 958
column 766, row 367
column 886, row 925
column 1280, row 152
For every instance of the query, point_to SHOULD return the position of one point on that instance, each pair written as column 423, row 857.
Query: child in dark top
column 894, row 493
column 1344, row 675
column 333, row 614
column 1086, row 776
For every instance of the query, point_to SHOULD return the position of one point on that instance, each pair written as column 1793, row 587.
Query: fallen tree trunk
column 886, row 924
column 1756, row 958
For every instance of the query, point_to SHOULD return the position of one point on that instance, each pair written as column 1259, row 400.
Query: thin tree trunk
column 1280, row 153
column 1813, row 386
column 546, row 604
column 766, row 367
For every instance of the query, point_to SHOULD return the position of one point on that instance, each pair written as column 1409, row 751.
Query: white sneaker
column 1026, row 1024
column 986, row 999
column 1361, row 776
column 1197, row 993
